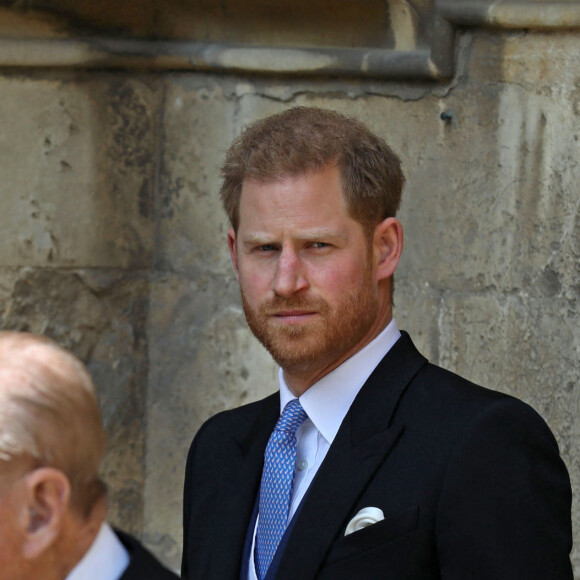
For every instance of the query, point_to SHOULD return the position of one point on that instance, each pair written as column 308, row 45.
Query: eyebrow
column 314, row 235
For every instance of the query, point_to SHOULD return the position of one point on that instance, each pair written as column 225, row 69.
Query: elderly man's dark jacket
column 142, row 564
column 470, row 482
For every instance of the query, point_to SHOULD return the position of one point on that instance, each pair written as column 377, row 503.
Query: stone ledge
column 429, row 59
column 157, row 56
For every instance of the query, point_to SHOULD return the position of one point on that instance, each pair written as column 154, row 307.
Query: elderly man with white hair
column 52, row 502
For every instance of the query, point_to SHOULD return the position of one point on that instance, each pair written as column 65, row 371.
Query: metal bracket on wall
column 421, row 46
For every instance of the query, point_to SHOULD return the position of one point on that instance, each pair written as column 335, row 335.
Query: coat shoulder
column 453, row 395
column 234, row 424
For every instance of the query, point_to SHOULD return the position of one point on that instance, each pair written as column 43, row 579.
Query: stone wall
column 112, row 240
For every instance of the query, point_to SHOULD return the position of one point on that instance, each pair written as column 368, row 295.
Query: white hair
column 49, row 412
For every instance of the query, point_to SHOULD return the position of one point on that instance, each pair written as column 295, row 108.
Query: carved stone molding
column 396, row 39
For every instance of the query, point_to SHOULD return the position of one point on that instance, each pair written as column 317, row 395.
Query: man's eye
column 267, row 248
column 320, row 245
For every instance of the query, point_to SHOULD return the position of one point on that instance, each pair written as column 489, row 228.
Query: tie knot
column 292, row 417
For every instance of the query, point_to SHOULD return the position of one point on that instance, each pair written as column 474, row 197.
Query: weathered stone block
column 198, row 127
column 78, row 173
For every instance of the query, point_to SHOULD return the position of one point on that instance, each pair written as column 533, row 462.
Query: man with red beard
column 369, row 462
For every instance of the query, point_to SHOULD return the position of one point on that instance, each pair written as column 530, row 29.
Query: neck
column 78, row 538
column 299, row 380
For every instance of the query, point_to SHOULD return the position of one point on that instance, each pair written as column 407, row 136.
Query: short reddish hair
column 304, row 139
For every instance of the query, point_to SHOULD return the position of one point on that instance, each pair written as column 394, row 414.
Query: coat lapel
column 368, row 433
column 239, row 495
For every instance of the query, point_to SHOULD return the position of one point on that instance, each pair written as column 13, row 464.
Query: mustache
column 278, row 303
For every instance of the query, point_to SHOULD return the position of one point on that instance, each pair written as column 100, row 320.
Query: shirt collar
column 327, row 401
column 106, row 559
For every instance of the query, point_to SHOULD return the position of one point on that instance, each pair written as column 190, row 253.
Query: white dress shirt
column 326, row 403
column 106, row 559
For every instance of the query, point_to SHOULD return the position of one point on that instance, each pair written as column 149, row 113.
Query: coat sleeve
column 505, row 508
column 188, row 490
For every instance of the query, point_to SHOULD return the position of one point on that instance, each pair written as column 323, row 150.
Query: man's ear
column 387, row 247
column 232, row 247
column 47, row 502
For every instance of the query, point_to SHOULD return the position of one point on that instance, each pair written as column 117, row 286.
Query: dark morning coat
column 470, row 481
column 142, row 564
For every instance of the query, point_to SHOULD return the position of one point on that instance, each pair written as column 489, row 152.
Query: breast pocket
column 387, row 530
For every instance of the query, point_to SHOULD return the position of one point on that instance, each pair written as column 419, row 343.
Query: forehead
column 316, row 194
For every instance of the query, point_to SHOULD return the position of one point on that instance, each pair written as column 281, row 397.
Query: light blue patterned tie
column 276, row 487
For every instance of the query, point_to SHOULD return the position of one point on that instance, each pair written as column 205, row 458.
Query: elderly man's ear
column 47, row 496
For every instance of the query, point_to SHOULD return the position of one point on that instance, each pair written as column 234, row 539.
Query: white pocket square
column 366, row 517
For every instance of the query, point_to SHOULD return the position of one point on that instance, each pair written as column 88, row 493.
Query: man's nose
column 290, row 275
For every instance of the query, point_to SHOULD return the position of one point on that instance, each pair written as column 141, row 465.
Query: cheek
column 337, row 280
column 254, row 284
